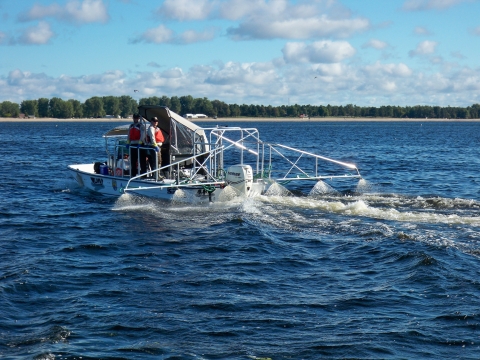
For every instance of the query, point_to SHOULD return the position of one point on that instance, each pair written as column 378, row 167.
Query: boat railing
column 200, row 168
column 290, row 164
column 273, row 161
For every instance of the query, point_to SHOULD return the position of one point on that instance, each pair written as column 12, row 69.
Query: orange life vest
column 134, row 133
column 158, row 136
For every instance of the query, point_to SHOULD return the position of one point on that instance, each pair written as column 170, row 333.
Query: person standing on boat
column 135, row 139
column 123, row 166
column 155, row 139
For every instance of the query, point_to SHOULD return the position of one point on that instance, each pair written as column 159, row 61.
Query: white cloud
column 263, row 19
column 236, row 9
column 192, row 36
column 393, row 70
column 424, row 48
column 36, row 35
column 376, row 44
column 282, row 19
column 419, row 30
column 163, row 35
column 233, row 73
column 85, row 11
column 416, row 5
column 297, row 28
column 264, row 83
column 160, row 34
column 318, row 52
column 183, row 10
column 329, row 70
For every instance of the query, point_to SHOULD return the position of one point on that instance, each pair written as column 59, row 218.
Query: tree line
column 125, row 105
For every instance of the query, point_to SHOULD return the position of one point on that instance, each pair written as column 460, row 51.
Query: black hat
column 136, row 116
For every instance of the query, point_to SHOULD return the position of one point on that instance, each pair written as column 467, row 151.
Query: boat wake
column 323, row 212
column 392, row 208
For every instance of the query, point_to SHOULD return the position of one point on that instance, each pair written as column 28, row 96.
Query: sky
column 265, row 52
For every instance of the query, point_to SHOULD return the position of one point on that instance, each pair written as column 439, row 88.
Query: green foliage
column 93, row 107
column 60, row 109
column 111, row 105
column 126, row 106
column 9, row 109
column 175, row 104
column 42, row 106
column 29, row 107
column 77, row 108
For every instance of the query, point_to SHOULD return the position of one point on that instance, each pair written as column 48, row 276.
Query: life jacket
column 158, row 137
column 134, row 133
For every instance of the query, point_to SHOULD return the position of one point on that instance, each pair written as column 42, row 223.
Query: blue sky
column 270, row 52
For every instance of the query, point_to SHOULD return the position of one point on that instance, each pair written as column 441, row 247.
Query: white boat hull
column 115, row 186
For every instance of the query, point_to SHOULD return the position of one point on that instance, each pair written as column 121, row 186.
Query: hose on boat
column 264, row 174
column 209, row 188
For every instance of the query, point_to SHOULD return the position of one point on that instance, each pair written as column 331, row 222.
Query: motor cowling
column 240, row 177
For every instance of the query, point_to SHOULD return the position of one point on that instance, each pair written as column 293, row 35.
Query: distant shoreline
column 250, row 119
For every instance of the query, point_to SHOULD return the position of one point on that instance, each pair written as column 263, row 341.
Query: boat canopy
column 180, row 134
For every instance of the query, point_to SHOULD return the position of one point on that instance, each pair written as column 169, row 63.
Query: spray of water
column 277, row 190
column 321, row 188
column 180, row 197
column 128, row 202
column 228, row 194
column 363, row 187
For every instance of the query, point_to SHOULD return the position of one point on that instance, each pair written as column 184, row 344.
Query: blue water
column 390, row 271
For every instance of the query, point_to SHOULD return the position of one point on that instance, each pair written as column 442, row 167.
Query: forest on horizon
column 124, row 106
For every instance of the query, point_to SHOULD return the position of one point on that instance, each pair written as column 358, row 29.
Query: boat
column 198, row 163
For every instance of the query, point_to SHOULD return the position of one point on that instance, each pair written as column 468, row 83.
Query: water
column 386, row 271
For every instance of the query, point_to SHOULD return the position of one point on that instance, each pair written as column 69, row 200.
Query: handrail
column 167, row 166
column 294, row 164
column 351, row 166
column 175, row 186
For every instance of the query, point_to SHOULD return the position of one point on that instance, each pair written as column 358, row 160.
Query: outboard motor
column 240, row 177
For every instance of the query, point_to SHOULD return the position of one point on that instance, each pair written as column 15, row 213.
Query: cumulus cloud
column 261, row 19
column 242, row 73
column 424, row 48
column 264, row 83
column 297, row 28
column 85, row 11
column 36, row 35
column 23, row 85
column 416, row 5
column 264, row 19
column 192, row 36
column 419, row 30
column 160, row 34
column 318, row 52
column 163, row 35
column 375, row 44
column 393, row 70
column 183, row 10
column 237, row 9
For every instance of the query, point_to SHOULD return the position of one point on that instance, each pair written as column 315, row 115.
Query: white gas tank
column 241, row 178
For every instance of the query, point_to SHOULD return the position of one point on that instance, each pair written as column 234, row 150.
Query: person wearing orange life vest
column 135, row 138
column 155, row 139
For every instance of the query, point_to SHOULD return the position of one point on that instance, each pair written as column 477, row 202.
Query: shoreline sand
column 247, row 119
